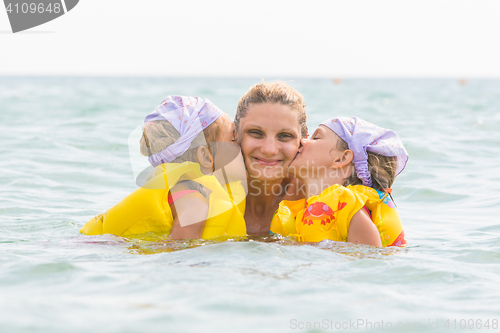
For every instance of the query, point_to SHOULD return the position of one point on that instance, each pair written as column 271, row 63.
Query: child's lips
column 266, row 161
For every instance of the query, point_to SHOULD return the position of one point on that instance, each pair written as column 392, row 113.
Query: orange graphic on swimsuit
column 319, row 211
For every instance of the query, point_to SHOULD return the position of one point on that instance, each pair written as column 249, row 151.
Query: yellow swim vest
column 147, row 209
column 328, row 215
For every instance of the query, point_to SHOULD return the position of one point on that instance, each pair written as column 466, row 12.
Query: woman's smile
column 266, row 161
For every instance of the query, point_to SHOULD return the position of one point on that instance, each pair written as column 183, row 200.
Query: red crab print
column 319, row 211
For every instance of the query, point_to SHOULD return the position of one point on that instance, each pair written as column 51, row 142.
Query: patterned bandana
column 362, row 136
column 189, row 116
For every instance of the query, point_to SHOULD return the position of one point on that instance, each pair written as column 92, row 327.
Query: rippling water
column 65, row 158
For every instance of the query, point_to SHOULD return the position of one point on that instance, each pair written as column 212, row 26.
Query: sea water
column 64, row 158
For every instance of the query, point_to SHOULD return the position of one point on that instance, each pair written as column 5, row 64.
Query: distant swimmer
column 463, row 82
column 337, row 81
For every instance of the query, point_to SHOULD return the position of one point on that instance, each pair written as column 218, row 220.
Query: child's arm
column 363, row 231
column 190, row 214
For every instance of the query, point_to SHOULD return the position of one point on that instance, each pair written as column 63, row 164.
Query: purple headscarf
column 189, row 116
column 362, row 136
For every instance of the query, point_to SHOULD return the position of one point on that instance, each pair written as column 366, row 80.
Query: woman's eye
column 285, row 136
column 255, row 133
column 314, row 138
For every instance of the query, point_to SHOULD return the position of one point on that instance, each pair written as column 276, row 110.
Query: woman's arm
column 190, row 213
column 363, row 231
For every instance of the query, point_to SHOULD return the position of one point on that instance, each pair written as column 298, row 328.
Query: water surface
column 65, row 158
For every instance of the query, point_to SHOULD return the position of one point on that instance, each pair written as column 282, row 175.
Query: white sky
column 271, row 38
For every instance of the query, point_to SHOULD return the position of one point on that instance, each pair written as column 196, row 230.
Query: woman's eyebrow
column 253, row 126
column 260, row 127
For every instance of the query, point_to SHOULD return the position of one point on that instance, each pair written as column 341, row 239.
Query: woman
column 270, row 122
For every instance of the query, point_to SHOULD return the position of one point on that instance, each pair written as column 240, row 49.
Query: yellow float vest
column 328, row 215
column 147, row 209
column 384, row 215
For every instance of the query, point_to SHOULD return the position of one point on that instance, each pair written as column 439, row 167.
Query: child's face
column 316, row 154
column 227, row 129
column 228, row 154
column 226, row 148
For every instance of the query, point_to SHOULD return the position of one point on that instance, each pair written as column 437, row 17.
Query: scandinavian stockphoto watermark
column 26, row 14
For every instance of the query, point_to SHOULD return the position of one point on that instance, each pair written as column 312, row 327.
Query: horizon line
column 274, row 77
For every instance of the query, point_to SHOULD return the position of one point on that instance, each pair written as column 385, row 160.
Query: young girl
column 348, row 167
column 182, row 197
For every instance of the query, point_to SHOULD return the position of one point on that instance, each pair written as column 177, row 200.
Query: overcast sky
column 312, row 38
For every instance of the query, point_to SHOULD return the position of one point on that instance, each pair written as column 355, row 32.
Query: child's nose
column 302, row 142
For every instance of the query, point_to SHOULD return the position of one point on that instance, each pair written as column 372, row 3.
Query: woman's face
column 269, row 136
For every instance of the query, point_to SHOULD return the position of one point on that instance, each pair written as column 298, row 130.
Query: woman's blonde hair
column 160, row 134
column 275, row 92
column 382, row 169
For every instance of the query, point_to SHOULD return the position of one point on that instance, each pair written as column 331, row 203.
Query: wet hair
column 275, row 92
column 160, row 134
column 382, row 169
